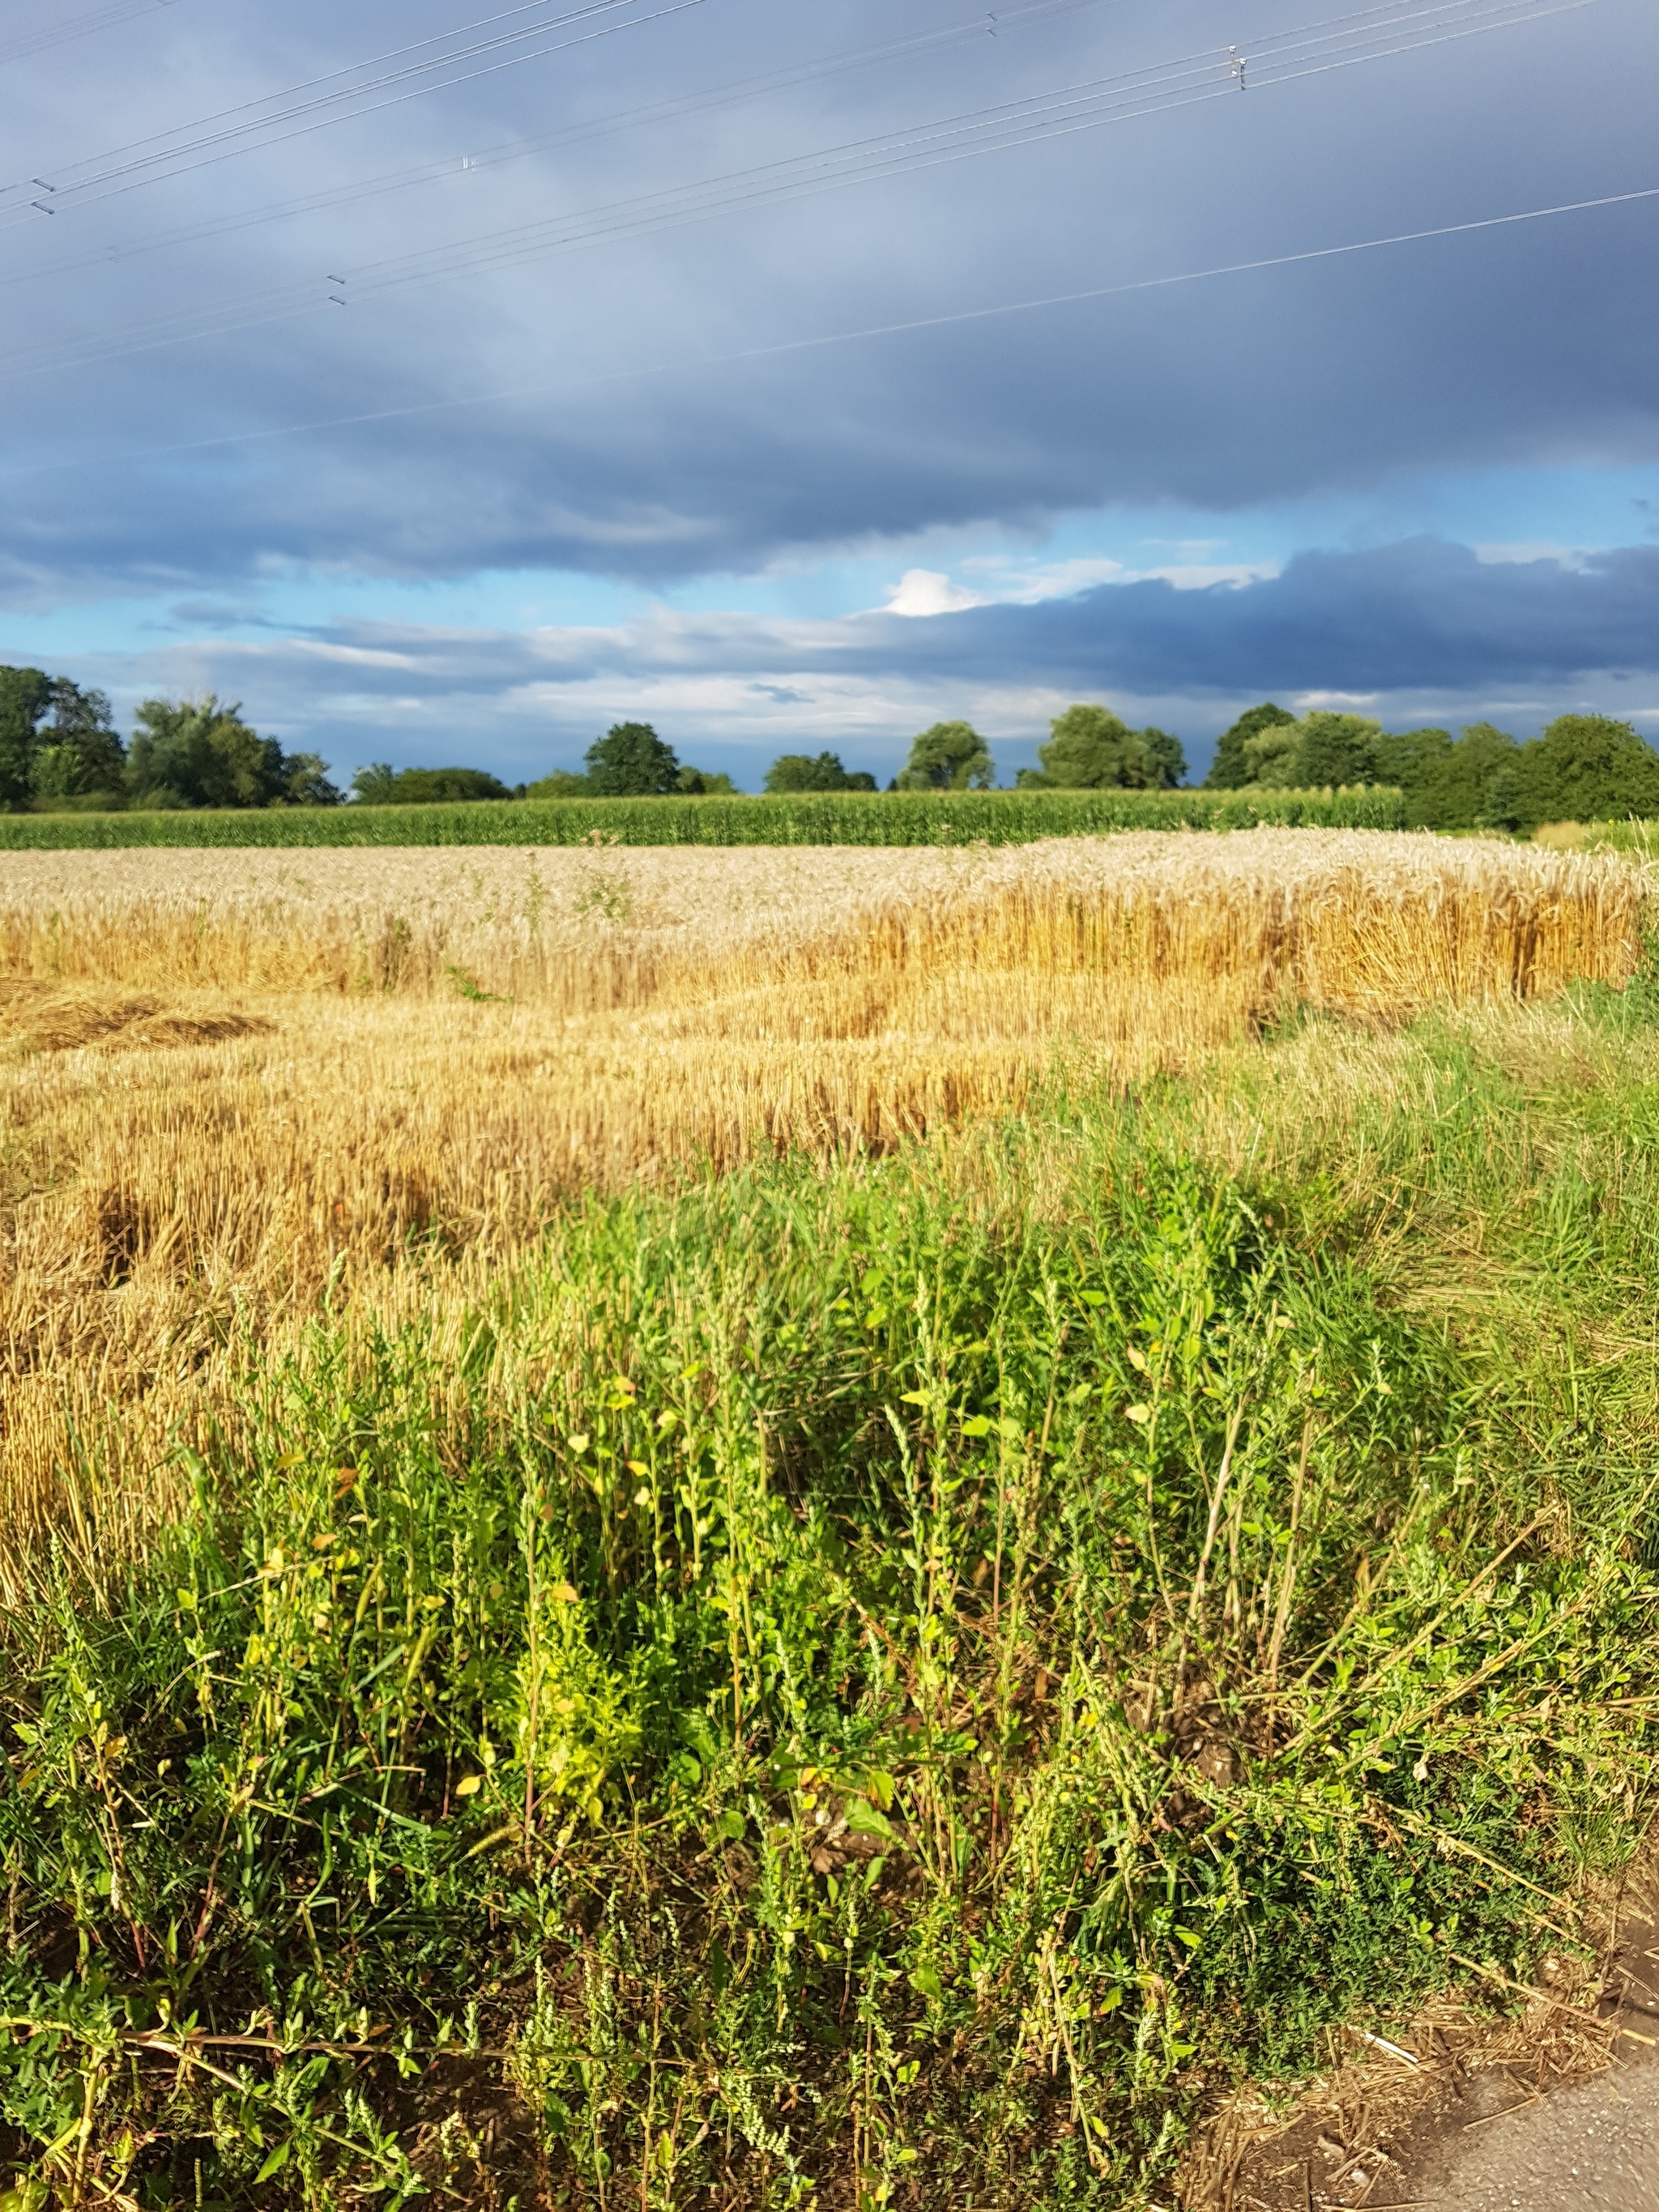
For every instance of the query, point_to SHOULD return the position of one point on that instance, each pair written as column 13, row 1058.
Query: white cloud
column 1200, row 576
column 929, row 592
column 1060, row 580
column 1506, row 553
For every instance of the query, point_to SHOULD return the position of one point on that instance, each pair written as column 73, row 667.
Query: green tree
column 1230, row 770
column 802, row 772
column 373, row 786
column 304, row 781
column 563, row 783
column 56, row 741
column 79, row 754
column 1091, row 749
column 1336, row 749
column 1270, row 755
column 705, row 783
column 196, row 752
column 381, row 786
column 1416, row 762
column 630, row 761
column 24, row 694
column 1168, row 759
column 1323, row 748
column 948, row 756
column 1585, row 767
column 1475, row 785
column 1479, row 788
column 1501, row 805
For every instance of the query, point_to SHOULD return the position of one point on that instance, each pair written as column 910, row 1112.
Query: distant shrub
column 797, row 772
column 381, row 786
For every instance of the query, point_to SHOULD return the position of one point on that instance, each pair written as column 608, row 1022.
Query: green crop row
column 960, row 817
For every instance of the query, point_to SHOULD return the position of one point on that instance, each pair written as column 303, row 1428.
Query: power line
column 1060, row 114
column 916, row 325
column 331, row 77
column 69, row 190
column 79, row 26
column 672, row 109
column 1285, row 57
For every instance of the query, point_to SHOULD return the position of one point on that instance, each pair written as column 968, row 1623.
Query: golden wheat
column 234, row 1077
column 1353, row 911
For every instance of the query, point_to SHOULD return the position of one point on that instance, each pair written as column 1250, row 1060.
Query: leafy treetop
column 197, row 752
column 801, row 772
column 56, row 741
column 948, row 756
column 1091, row 749
column 1231, row 770
column 630, row 761
column 1323, row 748
column 380, row 785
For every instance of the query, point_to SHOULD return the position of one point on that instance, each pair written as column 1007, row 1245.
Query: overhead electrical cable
column 78, row 27
column 65, row 190
column 742, row 90
column 680, row 366
column 249, row 107
column 1294, row 55
column 1060, row 114
column 130, row 168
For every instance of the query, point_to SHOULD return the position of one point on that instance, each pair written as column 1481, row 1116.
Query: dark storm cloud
column 1415, row 632
column 1414, row 617
column 1517, row 347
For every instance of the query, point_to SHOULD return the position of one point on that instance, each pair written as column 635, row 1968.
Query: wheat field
column 232, row 1081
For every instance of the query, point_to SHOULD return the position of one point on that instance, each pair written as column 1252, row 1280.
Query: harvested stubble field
column 834, row 1524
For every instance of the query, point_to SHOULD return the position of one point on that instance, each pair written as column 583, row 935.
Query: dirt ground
column 1554, row 2109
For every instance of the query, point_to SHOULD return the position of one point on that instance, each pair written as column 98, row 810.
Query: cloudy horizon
column 1422, row 479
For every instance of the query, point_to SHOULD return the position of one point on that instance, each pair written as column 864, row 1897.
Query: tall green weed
column 884, row 1685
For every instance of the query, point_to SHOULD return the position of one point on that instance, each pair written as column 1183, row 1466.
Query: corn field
column 890, row 819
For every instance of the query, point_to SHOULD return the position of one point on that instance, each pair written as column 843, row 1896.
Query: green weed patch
column 880, row 1686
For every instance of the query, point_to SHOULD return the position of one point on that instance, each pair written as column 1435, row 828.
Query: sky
column 446, row 381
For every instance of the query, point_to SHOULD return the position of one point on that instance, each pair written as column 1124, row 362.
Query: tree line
column 1583, row 767
column 59, row 749
column 1089, row 749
